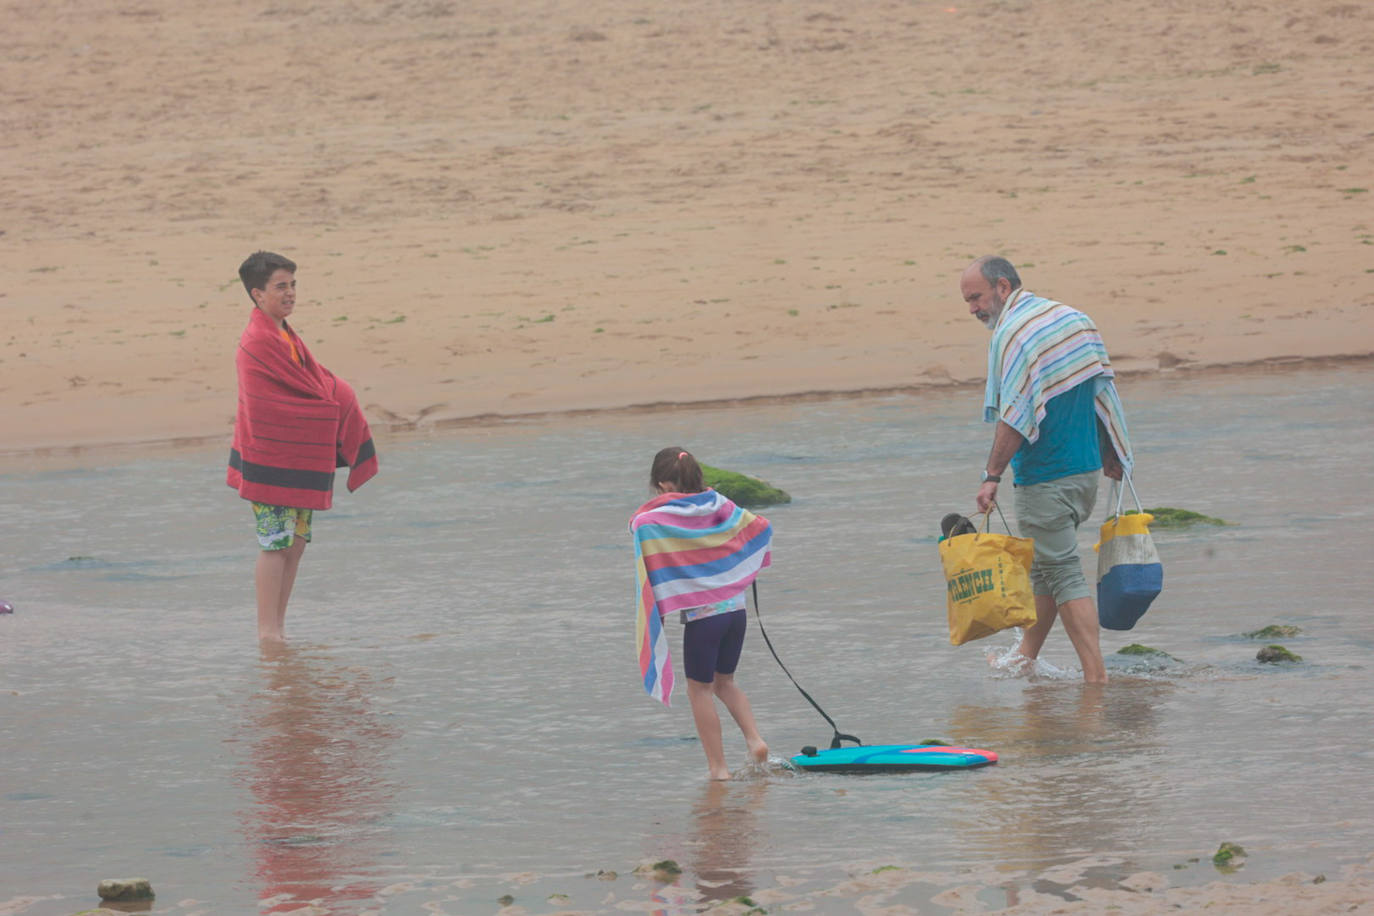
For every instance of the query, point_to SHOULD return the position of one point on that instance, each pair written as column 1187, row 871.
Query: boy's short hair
column 258, row 268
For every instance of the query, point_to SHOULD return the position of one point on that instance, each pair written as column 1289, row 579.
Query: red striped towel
column 296, row 423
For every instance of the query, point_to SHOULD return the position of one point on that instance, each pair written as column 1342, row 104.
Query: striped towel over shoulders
column 1041, row 349
column 691, row 549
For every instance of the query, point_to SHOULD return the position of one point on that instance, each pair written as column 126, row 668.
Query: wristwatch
column 990, row 478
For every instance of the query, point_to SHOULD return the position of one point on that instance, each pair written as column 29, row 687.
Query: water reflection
column 724, row 835
column 722, row 840
column 1080, row 755
column 316, row 768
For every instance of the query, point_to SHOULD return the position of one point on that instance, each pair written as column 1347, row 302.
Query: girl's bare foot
column 758, row 751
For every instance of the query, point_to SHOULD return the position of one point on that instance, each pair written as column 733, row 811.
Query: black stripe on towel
column 291, row 478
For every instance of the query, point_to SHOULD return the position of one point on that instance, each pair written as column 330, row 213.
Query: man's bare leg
column 1080, row 622
column 1033, row 637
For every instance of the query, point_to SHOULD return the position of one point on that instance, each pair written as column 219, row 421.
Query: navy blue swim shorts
column 712, row 645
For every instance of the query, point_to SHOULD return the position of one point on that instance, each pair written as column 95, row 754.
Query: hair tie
column 681, row 455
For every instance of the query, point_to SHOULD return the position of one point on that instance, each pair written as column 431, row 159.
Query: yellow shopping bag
column 987, row 581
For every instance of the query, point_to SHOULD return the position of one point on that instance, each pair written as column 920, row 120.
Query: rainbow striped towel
column 690, row 550
column 1040, row 349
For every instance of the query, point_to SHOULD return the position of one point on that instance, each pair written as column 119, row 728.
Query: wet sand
column 1067, row 891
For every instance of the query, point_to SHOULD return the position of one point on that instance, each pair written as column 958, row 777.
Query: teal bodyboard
column 892, row 758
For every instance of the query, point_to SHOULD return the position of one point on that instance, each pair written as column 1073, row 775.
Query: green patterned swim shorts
column 278, row 526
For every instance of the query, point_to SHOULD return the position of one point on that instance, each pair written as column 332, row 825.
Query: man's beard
column 995, row 312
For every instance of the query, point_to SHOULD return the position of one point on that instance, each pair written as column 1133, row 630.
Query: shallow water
column 458, row 718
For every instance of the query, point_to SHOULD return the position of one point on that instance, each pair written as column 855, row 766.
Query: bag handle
column 1120, row 493
column 987, row 518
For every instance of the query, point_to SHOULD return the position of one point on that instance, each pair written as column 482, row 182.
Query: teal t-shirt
column 1067, row 444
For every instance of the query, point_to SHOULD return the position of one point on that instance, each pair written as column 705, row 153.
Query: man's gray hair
column 994, row 268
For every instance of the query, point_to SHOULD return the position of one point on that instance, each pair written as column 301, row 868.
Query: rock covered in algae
column 1227, row 854
column 121, row 889
column 1273, row 631
column 665, row 871
column 1137, row 649
column 749, row 492
column 1277, row 653
column 1168, row 517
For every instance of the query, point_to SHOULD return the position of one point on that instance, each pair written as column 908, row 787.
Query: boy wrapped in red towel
column 296, row 423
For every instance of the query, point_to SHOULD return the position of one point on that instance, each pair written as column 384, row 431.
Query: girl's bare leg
column 703, row 702
column 738, row 704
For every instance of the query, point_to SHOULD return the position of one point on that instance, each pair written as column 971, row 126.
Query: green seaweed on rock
column 665, row 871
column 1167, row 517
column 1226, row 856
column 1277, row 653
column 1273, row 631
column 749, row 492
column 1136, row 648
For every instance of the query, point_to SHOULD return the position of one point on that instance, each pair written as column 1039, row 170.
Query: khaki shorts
column 278, row 526
column 1051, row 512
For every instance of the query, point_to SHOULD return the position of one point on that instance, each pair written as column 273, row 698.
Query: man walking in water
column 1051, row 392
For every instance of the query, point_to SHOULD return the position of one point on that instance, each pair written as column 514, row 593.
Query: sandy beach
column 553, row 206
